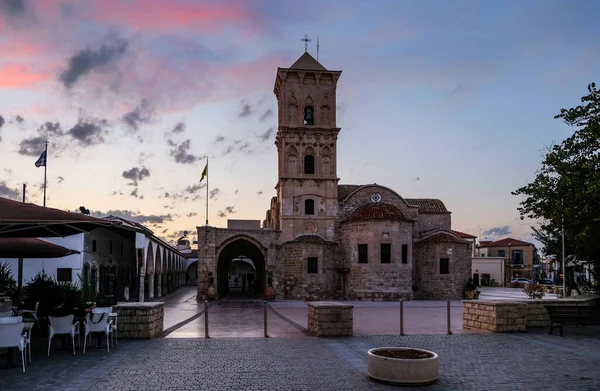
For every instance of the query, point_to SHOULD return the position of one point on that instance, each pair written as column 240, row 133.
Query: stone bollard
column 448, row 314
column 265, row 310
column 401, row 317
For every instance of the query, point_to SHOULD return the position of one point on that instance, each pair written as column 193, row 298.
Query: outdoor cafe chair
column 6, row 314
column 98, row 321
column 61, row 326
column 31, row 314
column 11, row 335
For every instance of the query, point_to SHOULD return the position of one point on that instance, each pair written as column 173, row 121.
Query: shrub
column 534, row 290
column 8, row 284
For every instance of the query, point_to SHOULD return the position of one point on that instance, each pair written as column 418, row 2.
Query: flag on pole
column 204, row 172
column 41, row 160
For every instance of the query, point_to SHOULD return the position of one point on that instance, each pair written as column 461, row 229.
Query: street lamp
column 563, row 259
column 509, row 262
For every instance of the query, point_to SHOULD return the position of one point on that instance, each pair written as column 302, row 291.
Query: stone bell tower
column 307, row 149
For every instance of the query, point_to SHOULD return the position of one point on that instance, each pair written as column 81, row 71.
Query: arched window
column 309, row 207
column 309, row 164
column 309, row 115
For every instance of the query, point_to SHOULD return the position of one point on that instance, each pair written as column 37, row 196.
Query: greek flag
column 42, row 160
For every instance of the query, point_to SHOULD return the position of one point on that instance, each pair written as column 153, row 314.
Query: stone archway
column 234, row 249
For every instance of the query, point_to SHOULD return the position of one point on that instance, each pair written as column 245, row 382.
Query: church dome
column 376, row 211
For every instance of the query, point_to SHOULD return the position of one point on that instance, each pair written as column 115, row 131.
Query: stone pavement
column 528, row 361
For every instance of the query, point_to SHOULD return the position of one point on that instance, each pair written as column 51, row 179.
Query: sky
column 438, row 99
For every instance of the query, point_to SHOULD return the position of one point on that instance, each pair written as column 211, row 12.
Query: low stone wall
column 496, row 316
column 139, row 320
column 330, row 319
column 380, row 295
column 502, row 316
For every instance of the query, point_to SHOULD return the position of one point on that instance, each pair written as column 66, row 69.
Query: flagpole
column 45, row 169
column 207, row 192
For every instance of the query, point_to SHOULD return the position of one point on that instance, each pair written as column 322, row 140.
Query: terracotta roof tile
column 464, row 235
column 505, row 243
column 428, row 205
column 376, row 211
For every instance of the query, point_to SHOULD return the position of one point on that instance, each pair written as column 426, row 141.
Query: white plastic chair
column 6, row 314
column 61, row 326
column 32, row 313
column 11, row 335
column 98, row 322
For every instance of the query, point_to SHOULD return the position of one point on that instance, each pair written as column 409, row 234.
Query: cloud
column 219, row 139
column 267, row 114
column 214, row 192
column 19, row 76
column 134, row 193
column 19, row 119
column 7, row 192
column 51, row 128
column 89, row 131
column 12, row 7
column 179, row 128
column 192, row 214
column 136, row 174
column 33, row 146
column 181, row 154
column 140, row 115
column 460, row 89
column 497, row 231
column 2, row 121
column 92, row 58
column 266, row 135
column 228, row 210
column 260, row 192
column 195, row 187
column 416, row 179
column 135, row 216
column 60, row 179
column 245, row 110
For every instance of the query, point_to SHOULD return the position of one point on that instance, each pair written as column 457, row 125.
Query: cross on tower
column 306, row 40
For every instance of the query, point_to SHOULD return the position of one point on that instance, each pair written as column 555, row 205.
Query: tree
column 566, row 189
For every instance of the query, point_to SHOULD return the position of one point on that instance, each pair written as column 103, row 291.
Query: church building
column 325, row 240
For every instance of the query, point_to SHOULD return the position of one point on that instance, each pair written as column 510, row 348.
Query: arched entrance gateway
column 241, row 268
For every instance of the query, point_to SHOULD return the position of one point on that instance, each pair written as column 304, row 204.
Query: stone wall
column 432, row 221
column 330, row 319
column 428, row 281
column 496, row 316
column 508, row 316
column 295, row 281
column 139, row 320
column 374, row 280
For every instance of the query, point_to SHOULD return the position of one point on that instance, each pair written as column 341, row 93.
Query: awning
column 32, row 248
column 24, row 220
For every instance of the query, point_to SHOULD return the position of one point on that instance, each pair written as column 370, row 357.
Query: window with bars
column 386, row 253
column 363, row 253
column 312, row 265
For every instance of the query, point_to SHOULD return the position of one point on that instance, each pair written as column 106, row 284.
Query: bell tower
column 307, row 149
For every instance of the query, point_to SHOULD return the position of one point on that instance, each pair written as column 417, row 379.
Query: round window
column 375, row 197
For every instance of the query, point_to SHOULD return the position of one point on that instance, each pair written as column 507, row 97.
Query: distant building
column 520, row 257
column 123, row 262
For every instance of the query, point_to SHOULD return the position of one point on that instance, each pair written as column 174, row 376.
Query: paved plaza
column 290, row 360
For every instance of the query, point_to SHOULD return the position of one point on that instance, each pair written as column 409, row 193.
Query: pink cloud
column 14, row 76
column 167, row 16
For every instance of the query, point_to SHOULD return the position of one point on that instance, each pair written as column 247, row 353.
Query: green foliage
column 43, row 289
column 534, row 291
column 470, row 286
column 8, row 284
column 566, row 190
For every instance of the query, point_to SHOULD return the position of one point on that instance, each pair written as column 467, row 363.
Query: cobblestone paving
column 531, row 361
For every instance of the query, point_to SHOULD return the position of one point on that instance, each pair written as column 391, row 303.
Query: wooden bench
column 572, row 315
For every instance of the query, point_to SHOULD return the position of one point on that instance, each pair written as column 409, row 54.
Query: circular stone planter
column 403, row 366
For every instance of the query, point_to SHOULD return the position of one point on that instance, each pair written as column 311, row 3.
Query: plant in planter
column 211, row 291
column 7, row 280
column 269, row 290
column 534, row 291
column 403, row 365
column 470, row 291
